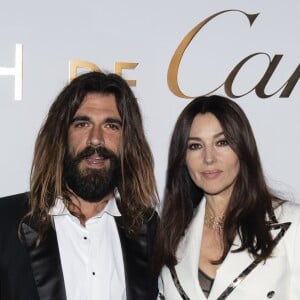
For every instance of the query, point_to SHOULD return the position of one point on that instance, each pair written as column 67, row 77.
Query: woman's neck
column 216, row 204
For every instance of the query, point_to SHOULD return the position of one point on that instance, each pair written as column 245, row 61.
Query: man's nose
column 96, row 137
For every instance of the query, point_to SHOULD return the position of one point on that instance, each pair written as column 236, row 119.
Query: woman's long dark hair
column 137, row 187
column 250, row 202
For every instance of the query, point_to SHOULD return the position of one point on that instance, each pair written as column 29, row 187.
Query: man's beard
column 90, row 184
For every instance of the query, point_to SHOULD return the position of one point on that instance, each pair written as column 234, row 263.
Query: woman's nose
column 209, row 155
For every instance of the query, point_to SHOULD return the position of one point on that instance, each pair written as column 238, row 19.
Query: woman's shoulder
column 288, row 211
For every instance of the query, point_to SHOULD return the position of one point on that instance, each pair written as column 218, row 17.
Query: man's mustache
column 89, row 151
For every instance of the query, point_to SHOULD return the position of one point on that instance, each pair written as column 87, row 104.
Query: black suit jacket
column 28, row 272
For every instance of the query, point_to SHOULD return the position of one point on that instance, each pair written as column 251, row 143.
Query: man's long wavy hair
column 137, row 186
column 250, row 204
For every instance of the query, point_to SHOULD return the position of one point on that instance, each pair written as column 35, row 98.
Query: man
column 85, row 230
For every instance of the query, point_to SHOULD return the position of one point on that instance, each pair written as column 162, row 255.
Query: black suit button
column 271, row 294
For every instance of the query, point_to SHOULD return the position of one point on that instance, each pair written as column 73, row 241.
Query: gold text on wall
column 259, row 88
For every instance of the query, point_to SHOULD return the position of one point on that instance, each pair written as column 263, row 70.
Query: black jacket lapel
column 45, row 262
column 137, row 257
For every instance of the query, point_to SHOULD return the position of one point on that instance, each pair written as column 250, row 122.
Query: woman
column 223, row 234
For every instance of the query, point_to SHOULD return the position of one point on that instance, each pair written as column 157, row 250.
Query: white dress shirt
column 91, row 255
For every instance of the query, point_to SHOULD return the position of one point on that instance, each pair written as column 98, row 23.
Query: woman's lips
column 211, row 174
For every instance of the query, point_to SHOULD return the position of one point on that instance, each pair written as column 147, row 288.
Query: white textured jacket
column 277, row 278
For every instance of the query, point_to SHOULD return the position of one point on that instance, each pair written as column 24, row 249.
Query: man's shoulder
column 147, row 228
column 17, row 198
column 150, row 224
column 14, row 204
column 152, row 218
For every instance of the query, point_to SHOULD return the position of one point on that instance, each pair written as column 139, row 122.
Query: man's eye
column 113, row 126
column 80, row 124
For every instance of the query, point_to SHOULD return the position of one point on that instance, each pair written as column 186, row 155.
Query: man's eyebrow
column 107, row 120
column 113, row 120
column 80, row 118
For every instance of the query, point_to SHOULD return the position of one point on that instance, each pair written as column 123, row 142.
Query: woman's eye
column 222, row 143
column 194, row 146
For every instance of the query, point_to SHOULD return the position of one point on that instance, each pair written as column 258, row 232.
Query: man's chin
column 89, row 170
column 93, row 194
column 98, row 198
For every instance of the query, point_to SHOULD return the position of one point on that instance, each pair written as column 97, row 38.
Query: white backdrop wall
column 53, row 33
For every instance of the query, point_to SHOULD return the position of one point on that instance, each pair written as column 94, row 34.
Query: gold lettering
column 176, row 59
column 17, row 72
column 261, row 85
column 259, row 88
column 74, row 65
column 119, row 66
column 290, row 84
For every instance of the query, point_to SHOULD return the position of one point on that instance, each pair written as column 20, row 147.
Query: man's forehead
column 98, row 101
